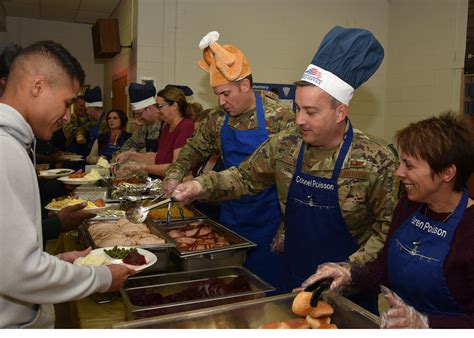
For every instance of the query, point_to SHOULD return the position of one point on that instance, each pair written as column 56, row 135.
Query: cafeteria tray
column 162, row 251
column 233, row 254
column 253, row 313
column 156, row 295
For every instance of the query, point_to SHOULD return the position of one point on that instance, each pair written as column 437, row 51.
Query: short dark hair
column 122, row 116
column 441, row 141
column 334, row 102
column 248, row 77
column 55, row 51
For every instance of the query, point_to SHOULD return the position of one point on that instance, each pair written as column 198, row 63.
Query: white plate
column 149, row 257
column 77, row 181
column 71, row 157
column 53, row 173
column 89, row 209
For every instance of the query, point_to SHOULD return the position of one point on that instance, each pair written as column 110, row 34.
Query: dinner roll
column 275, row 325
column 295, row 323
column 328, row 326
column 323, row 309
column 316, row 323
column 301, row 306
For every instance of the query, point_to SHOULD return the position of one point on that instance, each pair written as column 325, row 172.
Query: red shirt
column 169, row 141
column 458, row 267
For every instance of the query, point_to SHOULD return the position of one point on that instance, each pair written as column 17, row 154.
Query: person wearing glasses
column 177, row 128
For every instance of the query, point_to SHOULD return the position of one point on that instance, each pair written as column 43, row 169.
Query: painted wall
column 77, row 38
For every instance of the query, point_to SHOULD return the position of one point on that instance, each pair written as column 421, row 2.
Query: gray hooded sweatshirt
column 30, row 279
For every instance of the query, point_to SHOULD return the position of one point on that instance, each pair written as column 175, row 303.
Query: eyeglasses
column 159, row 106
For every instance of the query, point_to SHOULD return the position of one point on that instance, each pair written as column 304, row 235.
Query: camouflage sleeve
column 135, row 142
column 253, row 175
column 199, row 147
column 382, row 199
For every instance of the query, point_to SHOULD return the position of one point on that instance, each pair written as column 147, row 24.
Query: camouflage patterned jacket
column 368, row 188
column 77, row 126
column 136, row 142
column 206, row 140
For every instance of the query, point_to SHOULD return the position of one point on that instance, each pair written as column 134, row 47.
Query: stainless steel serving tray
column 162, row 251
column 146, row 289
column 233, row 254
column 197, row 216
column 253, row 313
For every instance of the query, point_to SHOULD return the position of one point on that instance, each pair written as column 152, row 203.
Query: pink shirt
column 169, row 141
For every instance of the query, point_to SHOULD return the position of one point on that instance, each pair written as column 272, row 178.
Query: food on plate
column 328, row 326
column 93, row 175
column 102, row 162
column 197, row 236
column 301, row 306
column 119, row 253
column 316, row 323
column 161, row 213
column 122, row 233
column 134, row 258
column 60, row 203
column 93, row 259
column 323, row 309
column 78, row 174
column 99, row 202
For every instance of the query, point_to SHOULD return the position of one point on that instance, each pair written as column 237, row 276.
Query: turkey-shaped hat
column 346, row 58
column 224, row 63
column 141, row 95
column 93, row 97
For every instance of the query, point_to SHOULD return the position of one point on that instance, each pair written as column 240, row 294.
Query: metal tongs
column 317, row 289
column 137, row 214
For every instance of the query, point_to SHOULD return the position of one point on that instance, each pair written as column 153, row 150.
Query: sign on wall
column 286, row 92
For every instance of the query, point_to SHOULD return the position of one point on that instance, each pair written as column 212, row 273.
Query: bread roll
column 275, row 325
column 316, row 323
column 328, row 326
column 323, row 309
column 301, row 306
column 295, row 323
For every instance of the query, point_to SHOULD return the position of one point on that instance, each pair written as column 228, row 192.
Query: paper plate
column 149, row 257
column 77, row 181
column 53, row 173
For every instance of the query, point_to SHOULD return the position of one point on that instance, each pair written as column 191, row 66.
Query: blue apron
column 315, row 229
column 416, row 255
column 94, row 131
column 108, row 150
column 255, row 217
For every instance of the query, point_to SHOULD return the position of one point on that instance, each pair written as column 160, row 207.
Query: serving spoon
column 137, row 214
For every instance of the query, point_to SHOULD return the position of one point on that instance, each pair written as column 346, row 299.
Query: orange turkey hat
column 224, row 63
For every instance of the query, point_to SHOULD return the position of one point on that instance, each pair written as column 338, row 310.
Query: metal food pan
column 162, row 251
column 156, row 295
column 233, row 254
column 253, row 313
column 162, row 221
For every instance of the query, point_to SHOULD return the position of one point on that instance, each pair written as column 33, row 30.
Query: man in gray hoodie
column 43, row 82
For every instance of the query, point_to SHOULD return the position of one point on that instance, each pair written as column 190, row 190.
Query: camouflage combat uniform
column 77, row 126
column 367, row 186
column 206, row 140
column 136, row 142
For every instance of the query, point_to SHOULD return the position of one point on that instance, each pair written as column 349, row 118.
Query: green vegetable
column 119, row 253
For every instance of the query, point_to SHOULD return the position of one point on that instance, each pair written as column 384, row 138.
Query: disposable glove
column 340, row 272
column 401, row 315
column 169, row 184
column 187, row 192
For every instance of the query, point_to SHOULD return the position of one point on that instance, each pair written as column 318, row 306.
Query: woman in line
column 111, row 141
column 428, row 259
column 178, row 127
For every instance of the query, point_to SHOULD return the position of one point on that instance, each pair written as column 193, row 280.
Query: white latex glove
column 187, row 192
column 168, row 185
column 124, row 157
column 401, row 315
column 340, row 272
column 128, row 169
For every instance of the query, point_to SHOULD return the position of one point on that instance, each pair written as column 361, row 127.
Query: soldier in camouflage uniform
column 336, row 185
column 77, row 131
column 95, row 111
column 147, row 136
column 234, row 130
